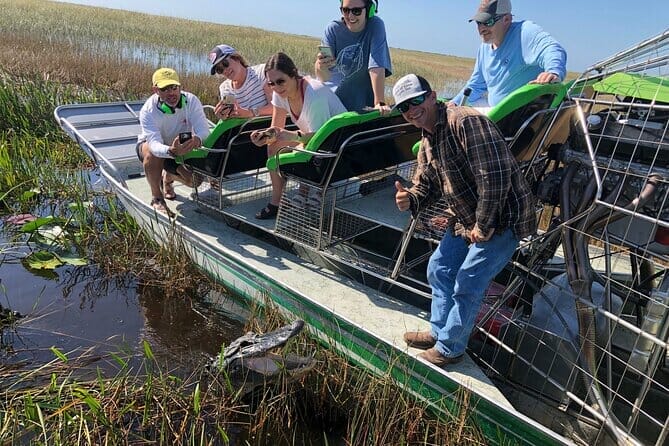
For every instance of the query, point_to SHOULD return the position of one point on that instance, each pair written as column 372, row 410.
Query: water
column 76, row 308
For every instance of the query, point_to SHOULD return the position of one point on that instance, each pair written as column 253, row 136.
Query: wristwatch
column 299, row 135
column 255, row 112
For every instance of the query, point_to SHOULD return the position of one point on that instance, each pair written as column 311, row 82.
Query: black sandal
column 268, row 212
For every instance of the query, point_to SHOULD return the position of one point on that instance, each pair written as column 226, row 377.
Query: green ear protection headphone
column 372, row 7
column 168, row 109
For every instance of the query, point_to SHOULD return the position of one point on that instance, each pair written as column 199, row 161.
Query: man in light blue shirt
column 512, row 54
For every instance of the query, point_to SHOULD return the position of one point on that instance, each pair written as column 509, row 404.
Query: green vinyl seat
column 349, row 145
column 514, row 112
column 228, row 149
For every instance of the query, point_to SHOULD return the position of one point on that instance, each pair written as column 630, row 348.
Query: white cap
column 407, row 87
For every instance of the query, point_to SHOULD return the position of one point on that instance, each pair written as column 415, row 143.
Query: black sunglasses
column 278, row 82
column 355, row 11
column 221, row 66
column 403, row 107
column 491, row 21
column 172, row 87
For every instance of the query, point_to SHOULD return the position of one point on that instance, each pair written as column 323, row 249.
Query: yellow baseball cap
column 164, row 77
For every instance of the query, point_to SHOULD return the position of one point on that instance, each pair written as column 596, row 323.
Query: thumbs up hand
column 402, row 197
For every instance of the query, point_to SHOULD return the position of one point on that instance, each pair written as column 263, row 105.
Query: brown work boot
column 433, row 356
column 419, row 339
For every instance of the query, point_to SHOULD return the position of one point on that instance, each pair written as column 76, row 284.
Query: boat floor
column 384, row 317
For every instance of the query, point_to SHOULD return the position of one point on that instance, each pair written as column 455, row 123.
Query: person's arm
column 379, row 64
column 476, row 83
column 378, row 78
column 151, row 131
column 540, row 48
column 324, row 63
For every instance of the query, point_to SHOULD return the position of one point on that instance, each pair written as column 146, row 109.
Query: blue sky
column 590, row 30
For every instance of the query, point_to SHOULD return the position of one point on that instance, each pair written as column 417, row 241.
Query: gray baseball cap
column 489, row 9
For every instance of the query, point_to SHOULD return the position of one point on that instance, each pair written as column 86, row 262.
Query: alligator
column 249, row 363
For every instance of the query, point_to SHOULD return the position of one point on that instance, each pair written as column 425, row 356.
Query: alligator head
column 251, row 354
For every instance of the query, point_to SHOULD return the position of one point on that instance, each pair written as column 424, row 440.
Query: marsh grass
column 92, row 44
column 72, row 400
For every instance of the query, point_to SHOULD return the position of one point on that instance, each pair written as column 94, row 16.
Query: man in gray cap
column 512, row 54
column 464, row 159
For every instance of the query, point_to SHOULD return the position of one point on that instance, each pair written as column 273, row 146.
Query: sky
column 590, row 30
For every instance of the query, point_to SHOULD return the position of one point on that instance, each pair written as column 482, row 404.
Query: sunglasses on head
column 172, row 87
column 491, row 21
column 278, row 82
column 403, row 107
column 221, row 66
column 355, row 11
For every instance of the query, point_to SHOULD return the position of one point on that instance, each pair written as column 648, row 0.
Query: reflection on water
column 79, row 308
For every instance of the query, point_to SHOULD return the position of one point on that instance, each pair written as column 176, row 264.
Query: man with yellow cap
column 173, row 123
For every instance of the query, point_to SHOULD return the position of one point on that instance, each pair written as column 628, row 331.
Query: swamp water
column 79, row 311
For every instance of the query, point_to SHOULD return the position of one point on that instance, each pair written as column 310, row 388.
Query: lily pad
column 43, row 260
column 34, row 225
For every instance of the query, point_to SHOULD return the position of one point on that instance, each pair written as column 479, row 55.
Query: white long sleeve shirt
column 159, row 128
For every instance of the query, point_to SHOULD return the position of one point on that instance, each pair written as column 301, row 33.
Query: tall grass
column 78, row 44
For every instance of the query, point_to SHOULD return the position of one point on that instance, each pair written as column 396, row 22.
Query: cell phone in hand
column 228, row 100
column 326, row 51
column 184, row 136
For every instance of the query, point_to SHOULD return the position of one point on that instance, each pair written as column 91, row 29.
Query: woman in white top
column 244, row 92
column 309, row 103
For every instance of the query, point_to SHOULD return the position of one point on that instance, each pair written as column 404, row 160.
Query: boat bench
column 109, row 128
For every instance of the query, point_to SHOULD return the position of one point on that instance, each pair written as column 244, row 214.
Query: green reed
column 32, row 32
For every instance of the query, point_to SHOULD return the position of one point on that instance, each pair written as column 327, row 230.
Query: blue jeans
column 459, row 274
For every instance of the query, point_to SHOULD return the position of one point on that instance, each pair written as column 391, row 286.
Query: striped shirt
column 250, row 94
column 467, row 162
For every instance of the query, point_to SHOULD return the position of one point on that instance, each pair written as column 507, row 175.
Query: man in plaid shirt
column 464, row 159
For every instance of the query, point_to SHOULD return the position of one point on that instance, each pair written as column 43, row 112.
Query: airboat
column 570, row 346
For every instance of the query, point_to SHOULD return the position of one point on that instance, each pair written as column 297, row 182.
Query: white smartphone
column 326, row 51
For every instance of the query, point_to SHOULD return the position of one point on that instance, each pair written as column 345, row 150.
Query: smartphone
column 326, row 51
column 228, row 99
column 184, row 136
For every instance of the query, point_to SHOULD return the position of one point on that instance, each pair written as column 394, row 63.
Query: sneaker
column 434, row 357
column 419, row 339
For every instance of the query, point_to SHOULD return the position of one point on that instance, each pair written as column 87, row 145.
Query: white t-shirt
column 251, row 93
column 320, row 104
column 159, row 128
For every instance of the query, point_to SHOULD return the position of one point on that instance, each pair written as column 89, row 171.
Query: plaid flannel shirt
column 467, row 161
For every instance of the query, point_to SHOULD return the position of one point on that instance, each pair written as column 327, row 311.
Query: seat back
column 363, row 143
column 234, row 151
column 519, row 106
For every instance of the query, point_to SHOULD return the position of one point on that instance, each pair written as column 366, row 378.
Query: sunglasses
column 221, row 66
column 490, row 22
column 278, row 82
column 169, row 88
column 403, row 107
column 355, row 11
